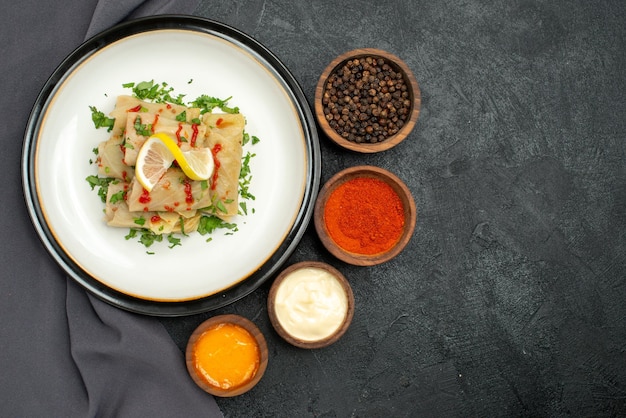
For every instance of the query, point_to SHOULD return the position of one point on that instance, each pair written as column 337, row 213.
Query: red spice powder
column 364, row 216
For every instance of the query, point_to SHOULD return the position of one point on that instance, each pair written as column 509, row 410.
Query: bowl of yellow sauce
column 226, row 355
column 310, row 304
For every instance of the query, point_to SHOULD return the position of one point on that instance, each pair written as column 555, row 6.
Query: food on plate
column 171, row 168
column 159, row 152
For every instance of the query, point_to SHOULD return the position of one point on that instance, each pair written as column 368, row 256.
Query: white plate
column 194, row 56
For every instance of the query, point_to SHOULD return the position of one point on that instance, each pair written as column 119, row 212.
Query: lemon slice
column 159, row 152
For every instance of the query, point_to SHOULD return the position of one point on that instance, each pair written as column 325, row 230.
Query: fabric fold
column 128, row 366
column 64, row 352
column 115, row 11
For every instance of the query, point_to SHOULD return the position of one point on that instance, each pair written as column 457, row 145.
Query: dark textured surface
column 510, row 300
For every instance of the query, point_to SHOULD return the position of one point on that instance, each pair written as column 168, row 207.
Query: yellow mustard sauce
column 226, row 356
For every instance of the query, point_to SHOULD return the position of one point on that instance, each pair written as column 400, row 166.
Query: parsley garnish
column 173, row 241
column 209, row 223
column 144, row 129
column 182, row 116
column 151, row 91
column 146, row 236
column 103, row 185
column 100, row 120
column 245, row 177
column 249, row 138
column 208, row 103
column 117, row 197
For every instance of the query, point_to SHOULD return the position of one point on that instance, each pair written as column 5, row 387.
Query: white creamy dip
column 311, row 304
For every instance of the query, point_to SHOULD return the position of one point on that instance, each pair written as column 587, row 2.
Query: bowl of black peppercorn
column 367, row 100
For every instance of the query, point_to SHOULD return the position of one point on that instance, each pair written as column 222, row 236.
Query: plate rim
column 243, row 286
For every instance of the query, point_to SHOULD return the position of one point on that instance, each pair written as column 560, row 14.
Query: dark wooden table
column 510, row 299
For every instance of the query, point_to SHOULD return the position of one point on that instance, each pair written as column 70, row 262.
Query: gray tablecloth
column 64, row 353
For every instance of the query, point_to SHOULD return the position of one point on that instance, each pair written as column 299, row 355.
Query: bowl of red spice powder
column 365, row 215
column 367, row 100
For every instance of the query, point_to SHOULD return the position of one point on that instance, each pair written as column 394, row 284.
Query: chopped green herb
column 100, row 120
column 173, row 241
column 182, row 116
column 117, row 197
column 209, row 223
column 182, row 225
column 158, row 93
column 220, row 206
column 249, row 138
column 144, row 129
column 102, row 183
column 245, row 177
column 148, row 237
column 208, row 103
column 141, row 221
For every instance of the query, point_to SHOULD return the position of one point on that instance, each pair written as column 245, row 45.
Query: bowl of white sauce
column 311, row 304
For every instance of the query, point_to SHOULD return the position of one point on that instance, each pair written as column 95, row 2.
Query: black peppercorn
column 366, row 100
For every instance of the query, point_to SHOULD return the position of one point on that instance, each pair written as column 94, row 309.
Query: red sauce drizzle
column 219, row 122
column 188, row 195
column 180, row 128
column 168, row 208
column 155, row 219
column 145, row 197
column 194, row 137
column 156, row 119
column 168, row 106
column 217, row 148
column 135, row 109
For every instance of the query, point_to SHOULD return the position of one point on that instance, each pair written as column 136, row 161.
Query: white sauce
column 311, row 304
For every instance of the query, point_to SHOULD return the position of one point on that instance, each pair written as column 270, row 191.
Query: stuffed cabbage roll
column 126, row 104
column 176, row 203
column 117, row 214
column 225, row 139
column 174, row 192
column 139, row 127
column 110, row 160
